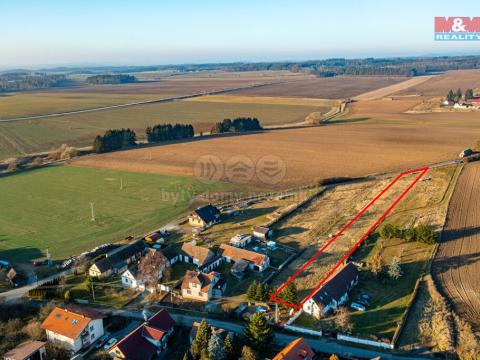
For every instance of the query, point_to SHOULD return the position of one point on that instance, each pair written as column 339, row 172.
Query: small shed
column 240, row 268
column 262, row 232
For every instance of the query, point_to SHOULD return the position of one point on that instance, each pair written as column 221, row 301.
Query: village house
column 118, row 260
column 204, row 287
column 29, row 350
column 171, row 254
column 198, row 255
column 147, row 341
column 333, row 293
column 262, row 232
column 73, row 327
column 256, row 261
column 204, row 216
column 297, row 350
column 222, row 333
column 241, row 240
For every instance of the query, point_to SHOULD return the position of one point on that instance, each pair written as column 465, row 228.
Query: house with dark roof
column 332, row 293
column 204, row 216
column 147, row 341
column 297, row 350
column 28, row 350
column 256, row 261
column 118, row 260
column 200, row 286
column 73, row 327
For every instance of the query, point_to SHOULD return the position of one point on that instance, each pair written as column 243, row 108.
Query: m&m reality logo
column 458, row 28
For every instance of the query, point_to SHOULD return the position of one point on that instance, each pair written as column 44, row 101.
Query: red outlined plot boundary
column 273, row 298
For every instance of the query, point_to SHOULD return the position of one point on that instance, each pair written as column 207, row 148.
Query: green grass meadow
column 50, row 208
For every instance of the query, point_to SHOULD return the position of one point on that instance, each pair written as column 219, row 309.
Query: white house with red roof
column 73, row 327
column 147, row 341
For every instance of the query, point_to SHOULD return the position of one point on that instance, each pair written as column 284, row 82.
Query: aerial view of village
column 239, row 180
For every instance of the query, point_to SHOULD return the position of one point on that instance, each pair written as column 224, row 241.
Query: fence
column 302, row 330
column 365, row 341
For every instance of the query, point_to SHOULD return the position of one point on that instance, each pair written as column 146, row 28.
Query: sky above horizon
column 143, row 32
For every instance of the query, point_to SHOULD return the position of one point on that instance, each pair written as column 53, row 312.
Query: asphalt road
column 319, row 344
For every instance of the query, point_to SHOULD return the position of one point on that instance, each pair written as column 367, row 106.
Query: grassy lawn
column 49, row 208
column 107, row 293
column 389, row 297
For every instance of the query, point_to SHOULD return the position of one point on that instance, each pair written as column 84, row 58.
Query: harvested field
column 396, row 108
column 29, row 136
column 310, row 154
column 382, row 92
column 440, row 85
column 338, row 87
column 457, row 262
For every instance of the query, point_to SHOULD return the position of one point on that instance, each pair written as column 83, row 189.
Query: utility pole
column 93, row 291
column 92, row 210
column 276, row 313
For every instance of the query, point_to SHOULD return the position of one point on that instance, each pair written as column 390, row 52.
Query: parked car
column 363, row 302
column 365, row 297
column 358, row 306
column 109, row 343
column 100, row 342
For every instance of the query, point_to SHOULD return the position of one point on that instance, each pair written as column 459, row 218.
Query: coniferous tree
column 249, row 354
column 229, row 348
column 200, row 343
column 216, row 348
column 258, row 332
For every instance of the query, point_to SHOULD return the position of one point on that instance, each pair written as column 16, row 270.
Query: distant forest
column 111, row 79
column 408, row 66
column 22, row 81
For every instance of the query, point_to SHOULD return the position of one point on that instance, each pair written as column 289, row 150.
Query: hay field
column 310, row 154
column 309, row 229
column 30, row 136
column 440, row 84
column 50, row 208
column 382, row 92
column 338, row 87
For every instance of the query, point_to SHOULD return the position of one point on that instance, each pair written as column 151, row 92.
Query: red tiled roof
column 135, row 346
column 71, row 321
column 24, row 350
column 234, row 253
column 204, row 280
column 197, row 252
column 296, row 350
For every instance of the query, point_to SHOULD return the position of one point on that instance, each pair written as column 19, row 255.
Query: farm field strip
column 457, row 258
column 382, row 92
column 274, row 298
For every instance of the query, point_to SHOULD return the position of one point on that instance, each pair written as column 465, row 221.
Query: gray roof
column 207, row 213
column 117, row 258
column 337, row 286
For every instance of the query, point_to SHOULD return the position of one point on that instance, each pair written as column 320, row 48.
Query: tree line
column 111, row 79
column 22, row 81
column 120, row 139
column 240, row 124
column 422, row 233
column 456, row 96
column 168, row 132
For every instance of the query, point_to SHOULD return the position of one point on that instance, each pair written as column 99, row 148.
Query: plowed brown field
column 456, row 268
column 310, row 154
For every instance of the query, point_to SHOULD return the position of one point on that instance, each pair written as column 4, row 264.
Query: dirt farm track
column 456, row 267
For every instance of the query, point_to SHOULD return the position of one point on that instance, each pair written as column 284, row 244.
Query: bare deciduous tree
column 153, row 267
column 342, row 319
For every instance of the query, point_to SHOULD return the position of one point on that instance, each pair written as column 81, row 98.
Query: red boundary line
column 357, row 244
